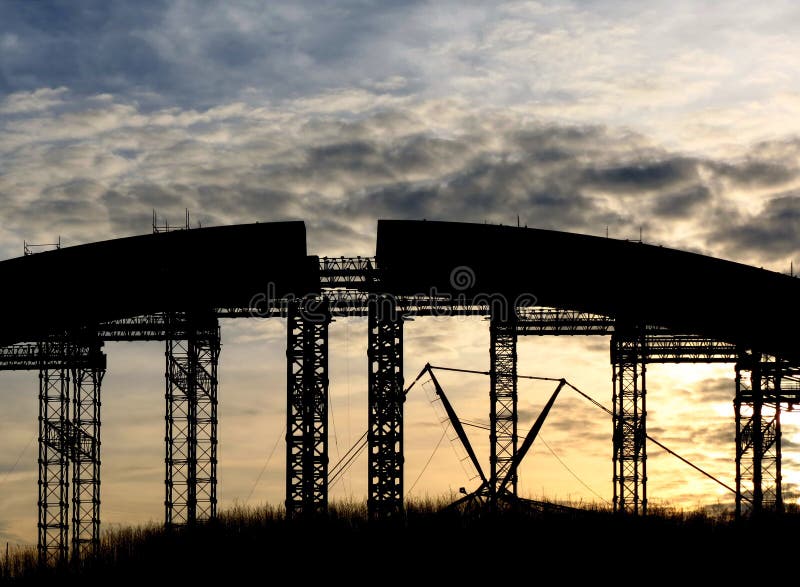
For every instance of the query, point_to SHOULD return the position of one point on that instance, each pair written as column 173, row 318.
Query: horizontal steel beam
column 552, row 321
column 680, row 348
column 130, row 329
column 158, row 327
column 348, row 272
column 32, row 356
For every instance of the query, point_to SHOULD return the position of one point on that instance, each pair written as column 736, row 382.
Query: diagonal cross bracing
column 191, row 422
column 307, row 409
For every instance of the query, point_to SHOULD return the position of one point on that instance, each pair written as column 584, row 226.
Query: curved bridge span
column 658, row 305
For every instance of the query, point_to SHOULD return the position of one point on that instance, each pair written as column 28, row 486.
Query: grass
column 428, row 545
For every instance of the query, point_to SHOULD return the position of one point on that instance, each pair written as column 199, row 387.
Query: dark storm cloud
column 477, row 184
column 754, row 173
column 682, row 204
column 349, row 161
column 420, row 153
column 773, row 233
column 193, row 53
column 372, row 162
column 552, row 143
column 642, row 176
column 109, row 165
column 92, row 46
column 258, row 202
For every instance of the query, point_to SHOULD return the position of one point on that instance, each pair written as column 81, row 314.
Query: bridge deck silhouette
column 658, row 305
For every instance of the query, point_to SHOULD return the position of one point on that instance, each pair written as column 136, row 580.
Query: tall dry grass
column 428, row 539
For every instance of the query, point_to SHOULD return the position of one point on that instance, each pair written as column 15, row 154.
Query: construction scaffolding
column 307, row 409
column 385, row 418
column 191, row 420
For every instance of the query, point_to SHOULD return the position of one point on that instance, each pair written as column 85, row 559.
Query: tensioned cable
column 607, row 411
column 430, row 458
column 339, row 475
column 474, row 372
column 445, row 423
column 475, row 425
column 570, row 471
column 19, row 458
column 347, row 377
column 264, row 468
column 346, row 456
column 333, row 423
column 662, row 446
column 347, row 460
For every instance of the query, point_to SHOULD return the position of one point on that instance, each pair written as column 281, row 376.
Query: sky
column 679, row 119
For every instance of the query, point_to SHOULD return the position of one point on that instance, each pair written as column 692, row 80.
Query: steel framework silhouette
column 191, row 422
column 503, row 437
column 67, row 354
column 307, row 409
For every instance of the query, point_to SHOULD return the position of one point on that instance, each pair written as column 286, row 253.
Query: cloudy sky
column 679, row 118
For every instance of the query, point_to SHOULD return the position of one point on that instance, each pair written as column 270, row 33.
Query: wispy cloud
column 98, row 171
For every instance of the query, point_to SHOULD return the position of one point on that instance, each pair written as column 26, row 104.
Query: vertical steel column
column 503, row 436
column 86, row 382
column 180, row 446
column 773, row 497
column 54, row 453
column 307, row 409
column 771, row 385
column 206, row 353
column 757, row 412
column 628, row 357
column 385, row 419
column 742, row 442
column 191, row 421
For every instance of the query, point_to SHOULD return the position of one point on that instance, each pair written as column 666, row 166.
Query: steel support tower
column 86, row 383
column 54, row 454
column 69, row 434
column 191, row 419
column 503, row 436
column 385, row 418
column 757, row 409
column 307, row 409
column 628, row 358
